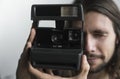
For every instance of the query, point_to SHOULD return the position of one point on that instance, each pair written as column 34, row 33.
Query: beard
column 104, row 65
column 98, row 69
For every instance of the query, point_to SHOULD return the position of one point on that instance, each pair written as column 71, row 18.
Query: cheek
column 106, row 48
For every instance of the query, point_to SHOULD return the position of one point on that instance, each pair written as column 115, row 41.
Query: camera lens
column 56, row 39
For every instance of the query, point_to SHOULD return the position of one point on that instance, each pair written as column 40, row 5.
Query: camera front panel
column 54, row 38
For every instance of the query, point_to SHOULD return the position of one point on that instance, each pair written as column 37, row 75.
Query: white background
column 15, row 25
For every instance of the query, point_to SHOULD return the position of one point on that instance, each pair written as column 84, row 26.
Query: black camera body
column 59, row 47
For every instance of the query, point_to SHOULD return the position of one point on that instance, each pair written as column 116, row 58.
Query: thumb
column 85, row 67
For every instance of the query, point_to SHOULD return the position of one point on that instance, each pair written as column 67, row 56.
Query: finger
column 32, row 35
column 30, row 39
column 37, row 73
column 23, row 61
column 40, row 69
column 84, row 69
column 49, row 71
column 24, row 55
column 41, row 75
column 85, row 66
column 29, row 43
column 21, row 71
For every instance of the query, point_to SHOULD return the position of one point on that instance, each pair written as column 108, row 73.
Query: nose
column 89, row 43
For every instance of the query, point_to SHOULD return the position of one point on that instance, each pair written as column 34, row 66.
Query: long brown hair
column 110, row 9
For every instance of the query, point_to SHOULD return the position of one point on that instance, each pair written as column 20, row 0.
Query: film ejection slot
column 57, row 47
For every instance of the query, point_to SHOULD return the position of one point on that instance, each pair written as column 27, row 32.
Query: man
column 101, row 59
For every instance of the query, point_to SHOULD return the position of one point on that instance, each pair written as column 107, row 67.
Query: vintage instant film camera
column 59, row 47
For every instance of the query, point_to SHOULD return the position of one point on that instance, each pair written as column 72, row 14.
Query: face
column 100, row 40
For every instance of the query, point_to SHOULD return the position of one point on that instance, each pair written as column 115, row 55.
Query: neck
column 99, row 75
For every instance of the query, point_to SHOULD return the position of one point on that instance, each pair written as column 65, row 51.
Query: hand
column 23, row 64
column 26, row 71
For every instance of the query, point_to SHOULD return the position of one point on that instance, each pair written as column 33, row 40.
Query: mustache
column 94, row 55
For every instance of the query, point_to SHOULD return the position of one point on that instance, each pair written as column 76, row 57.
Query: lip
column 92, row 59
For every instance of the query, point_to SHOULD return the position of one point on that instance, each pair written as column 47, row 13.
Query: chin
column 96, row 69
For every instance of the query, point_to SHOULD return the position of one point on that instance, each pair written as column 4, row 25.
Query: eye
column 99, row 35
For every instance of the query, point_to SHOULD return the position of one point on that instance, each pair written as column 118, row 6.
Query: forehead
column 95, row 20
